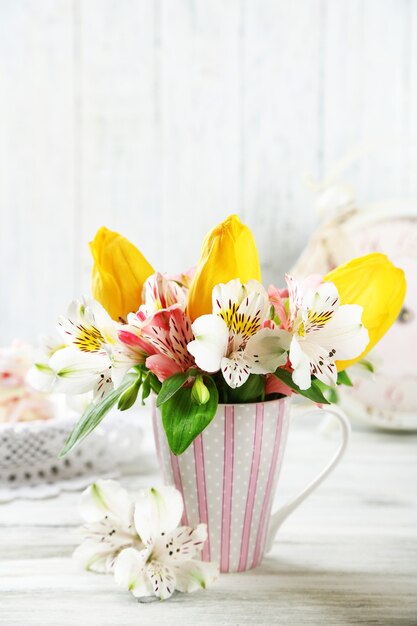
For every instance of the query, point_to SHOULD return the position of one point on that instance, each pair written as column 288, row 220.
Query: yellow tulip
column 376, row 284
column 229, row 251
column 119, row 273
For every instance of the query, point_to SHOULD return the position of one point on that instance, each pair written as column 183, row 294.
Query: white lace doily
column 29, row 463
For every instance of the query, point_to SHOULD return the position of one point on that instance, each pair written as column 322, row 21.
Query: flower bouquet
column 214, row 334
column 221, row 355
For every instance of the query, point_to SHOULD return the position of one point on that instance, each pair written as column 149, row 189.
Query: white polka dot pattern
column 228, row 477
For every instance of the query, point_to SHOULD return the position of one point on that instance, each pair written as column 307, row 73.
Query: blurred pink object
column 18, row 401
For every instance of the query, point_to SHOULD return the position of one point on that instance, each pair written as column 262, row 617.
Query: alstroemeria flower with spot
column 155, row 331
column 167, row 562
column 88, row 327
column 74, row 372
column 92, row 359
column 160, row 329
column 322, row 330
column 169, row 332
column 234, row 337
column 109, row 527
column 87, row 365
column 161, row 292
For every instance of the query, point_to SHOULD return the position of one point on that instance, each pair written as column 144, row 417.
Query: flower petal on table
column 157, row 511
column 162, row 579
column 130, row 572
column 94, row 557
column 105, row 497
column 182, row 544
column 194, row 575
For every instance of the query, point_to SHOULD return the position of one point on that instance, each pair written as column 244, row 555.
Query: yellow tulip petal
column 373, row 282
column 229, row 251
column 119, row 273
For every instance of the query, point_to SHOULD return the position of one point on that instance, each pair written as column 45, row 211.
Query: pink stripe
column 200, row 475
column 277, row 473
column 269, row 484
column 229, row 419
column 178, row 484
column 253, row 481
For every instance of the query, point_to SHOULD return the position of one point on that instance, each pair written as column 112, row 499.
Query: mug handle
column 279, row 516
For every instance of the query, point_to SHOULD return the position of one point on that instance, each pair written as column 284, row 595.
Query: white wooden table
column 347, row 556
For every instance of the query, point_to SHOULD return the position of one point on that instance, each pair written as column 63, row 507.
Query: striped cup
column 229, row 475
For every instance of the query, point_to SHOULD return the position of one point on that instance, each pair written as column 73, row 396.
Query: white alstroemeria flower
column 88, row 327
column 108, row 512
column 167, row 562
column 91, row 359
column 71, row 371
column 323, row 331
column 40, row 376
column 232, row 338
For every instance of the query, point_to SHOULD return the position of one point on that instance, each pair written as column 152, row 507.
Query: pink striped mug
column 228, row 478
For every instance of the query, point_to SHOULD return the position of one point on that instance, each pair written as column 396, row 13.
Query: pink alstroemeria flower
column 169, row 332
column 161, row 293
column 133, row 345
column 294, row 292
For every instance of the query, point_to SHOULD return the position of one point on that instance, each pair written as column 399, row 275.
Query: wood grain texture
column 366, row 93
column 281, row 126
column 158, row 118
column 347, row 556
column 37, row 133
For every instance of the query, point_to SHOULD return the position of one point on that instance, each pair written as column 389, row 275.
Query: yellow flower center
column 301, row 330
column 315, row 321
column 89, row 339
column 239, row 323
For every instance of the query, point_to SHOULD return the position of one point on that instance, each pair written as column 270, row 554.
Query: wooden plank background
column 159, row 117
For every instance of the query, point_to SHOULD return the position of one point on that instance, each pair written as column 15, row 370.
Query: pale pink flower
column 161, row 292
column 133, row 345
column 169, row 332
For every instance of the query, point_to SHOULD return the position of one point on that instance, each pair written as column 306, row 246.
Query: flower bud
column 229, row 251
column 119, row 273
column 199, row 393
column 373, row 282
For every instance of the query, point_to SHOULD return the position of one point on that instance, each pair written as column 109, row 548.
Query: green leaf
column 333, row 395
column 343, row 379
column 146, row 387
column 155, row 383
column 128, row 397
column 170, row 386
column 319, row 384
column 367, row 365
column 250, row 391
column 184, row 420
column 94, row 415
column 313, row 393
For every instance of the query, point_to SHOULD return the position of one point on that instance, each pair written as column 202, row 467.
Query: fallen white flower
column 167, row 562
column 108, row 511
column 138, row 539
